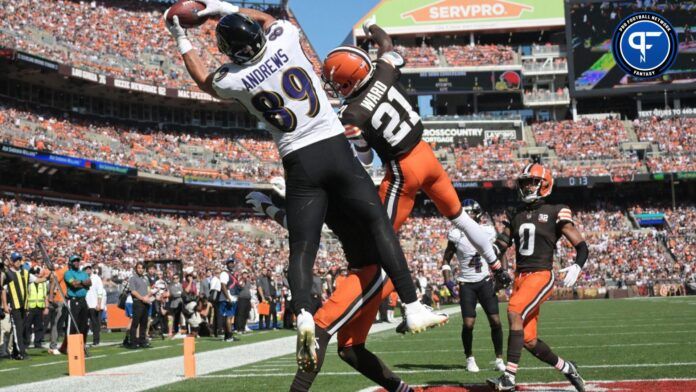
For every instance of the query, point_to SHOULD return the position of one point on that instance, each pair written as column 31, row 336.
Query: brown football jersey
column 535, row 229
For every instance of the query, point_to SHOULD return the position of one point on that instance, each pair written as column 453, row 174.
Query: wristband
column 227, row 9
column 184, row 45
column 496, row 266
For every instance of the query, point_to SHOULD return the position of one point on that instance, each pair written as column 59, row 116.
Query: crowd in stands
column 116, row 240
column 232, row 156
column 582, row 148
column 493, row 161
column 478, row 55
column 675, row 139
column 582, row 139
column 419, row 56
column 129, row 41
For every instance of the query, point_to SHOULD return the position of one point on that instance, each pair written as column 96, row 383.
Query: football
column 187, row 11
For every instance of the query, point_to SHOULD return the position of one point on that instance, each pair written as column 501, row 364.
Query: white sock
column 414, row 307
column 476, row 236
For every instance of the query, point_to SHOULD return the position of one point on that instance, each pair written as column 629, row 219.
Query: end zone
column 667, row 384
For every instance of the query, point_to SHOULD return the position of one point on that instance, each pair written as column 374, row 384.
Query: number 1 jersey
column 536, row 228
column 383, row 113
column 282, row 90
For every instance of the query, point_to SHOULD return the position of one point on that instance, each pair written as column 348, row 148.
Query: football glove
column 571, row 275
column 178, row 33
column 257, row 200
column 217, row 7
column 278, row 184
column 502, row 278
column 369, row 23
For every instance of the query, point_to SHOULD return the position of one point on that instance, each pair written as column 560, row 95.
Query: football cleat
column 422, row 318
column 502, row 383
column 471, row 365
column 575, row 378
column 402, row 328
column 306, row 344
column 499, row 365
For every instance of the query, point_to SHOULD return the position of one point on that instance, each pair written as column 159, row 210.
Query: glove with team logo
column 258, row 201
column 571, row 275
column 502, row 278
column 217, row 7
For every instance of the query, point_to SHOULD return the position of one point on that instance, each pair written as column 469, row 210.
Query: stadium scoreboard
column 626, row 47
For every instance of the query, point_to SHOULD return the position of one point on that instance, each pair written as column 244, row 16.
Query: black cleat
column 575, row 378
column 502, row 383
column 402, row 328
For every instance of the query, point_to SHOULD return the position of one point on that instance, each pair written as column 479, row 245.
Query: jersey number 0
column 297, row 86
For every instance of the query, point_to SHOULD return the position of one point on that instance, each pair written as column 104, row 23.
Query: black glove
column 502, row 279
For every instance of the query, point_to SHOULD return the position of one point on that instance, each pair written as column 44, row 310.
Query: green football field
column 609, row 340
column 632, row 339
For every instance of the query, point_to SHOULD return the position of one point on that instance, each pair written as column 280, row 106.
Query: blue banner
column 67, row 160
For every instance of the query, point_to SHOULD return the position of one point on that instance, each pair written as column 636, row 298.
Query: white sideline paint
column 424, row 370
column 153, row 374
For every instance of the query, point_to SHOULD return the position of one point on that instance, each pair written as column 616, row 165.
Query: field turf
column 632, row 339
column 609, row 339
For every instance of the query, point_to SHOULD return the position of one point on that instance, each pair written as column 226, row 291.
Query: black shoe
column 402, row 328
column 145, row 345
column 131, row 346
column 20, row 357
column 502, row 383
column 575, row 378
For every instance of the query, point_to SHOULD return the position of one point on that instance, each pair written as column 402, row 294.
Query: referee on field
column 14, row 302
column 78, row 283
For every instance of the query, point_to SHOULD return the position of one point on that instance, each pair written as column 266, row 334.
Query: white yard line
column 556, row 347
column 153, row 374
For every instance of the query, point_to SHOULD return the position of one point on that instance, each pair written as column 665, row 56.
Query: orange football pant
column 530, row 290
column 352, row 307
column 416, row 170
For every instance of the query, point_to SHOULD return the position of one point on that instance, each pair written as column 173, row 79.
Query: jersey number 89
column 297, row 86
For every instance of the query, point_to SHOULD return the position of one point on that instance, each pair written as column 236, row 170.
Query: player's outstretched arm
column 381, row 38
column 194, row 64
column 223, row 8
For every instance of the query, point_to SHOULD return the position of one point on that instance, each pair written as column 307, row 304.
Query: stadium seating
column 129, row 41
column 675, row 139
column 171, row 153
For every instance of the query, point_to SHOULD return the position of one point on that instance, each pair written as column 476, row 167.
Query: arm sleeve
column 564, row 215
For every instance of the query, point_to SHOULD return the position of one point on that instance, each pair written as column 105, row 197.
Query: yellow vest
column 37, row 295
column 16, row 284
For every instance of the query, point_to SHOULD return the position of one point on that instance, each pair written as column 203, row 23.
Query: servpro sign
column 424, row 16
column 457, row 10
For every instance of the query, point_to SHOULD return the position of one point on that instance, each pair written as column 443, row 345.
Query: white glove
column 217, row 7
column 571, row 276
column 178, row 32
column 278, row 184
column 368, row 23
column 256, row 201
